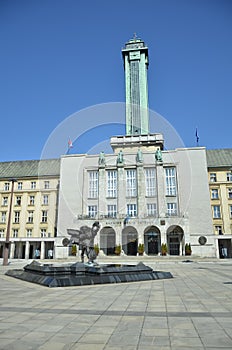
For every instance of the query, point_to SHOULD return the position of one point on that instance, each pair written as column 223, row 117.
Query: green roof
column 30, row 168
column 219, row 158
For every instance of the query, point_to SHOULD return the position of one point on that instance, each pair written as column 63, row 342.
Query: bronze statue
column 101, row 159
column 120, row 157
column 158, row 155
column 139, row 156
column 85, row 238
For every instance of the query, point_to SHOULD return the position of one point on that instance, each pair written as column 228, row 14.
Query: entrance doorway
column 225, row 250
column 130, row 240
column 174, row 245
column 107, row 240
column 152, row 240
column 175, row 235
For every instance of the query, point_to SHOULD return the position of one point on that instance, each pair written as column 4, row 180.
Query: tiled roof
column 219, row 157
column 30, row 168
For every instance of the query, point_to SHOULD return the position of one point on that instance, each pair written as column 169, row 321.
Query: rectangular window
column 214, row 193
column 93, row 184
column 44, row 216
column 15, row 233
column 150, row 182
column 213, row 177
column 111, row 211
column 30, row 216
column 218, row 230
column 16, row 217
column 229, row 193
column 5, row 201
column 3, row 217
column 170, row 174
column 46, row 184
column 131, row 189
column 132, row 210
column 229, row 176
column 112, row 183
column 151, row 209
column 171, row 209
column 43, row 232
column 6, row 186
column 33, row 185
column 92, row 211
column 29, row 233
column 20, row 185
column 230, row 209
column 32, row 200
column 18, row 200
column 45, row 199
column 2, row 233
column 216, row 212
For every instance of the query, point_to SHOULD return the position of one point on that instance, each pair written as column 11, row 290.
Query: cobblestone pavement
column 191, row 311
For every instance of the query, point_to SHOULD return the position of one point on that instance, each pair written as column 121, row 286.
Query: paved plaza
column 191, row 311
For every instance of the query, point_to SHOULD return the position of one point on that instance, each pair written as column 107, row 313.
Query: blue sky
column 61, row 56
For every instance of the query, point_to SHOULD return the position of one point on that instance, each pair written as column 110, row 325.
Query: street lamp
column 7, row 242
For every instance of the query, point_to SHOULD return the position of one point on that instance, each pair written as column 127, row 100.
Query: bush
column 164, row 249
column 118, row 249
column 96, row 249
column 141, row 248
column 188, row 250
column 74, row 250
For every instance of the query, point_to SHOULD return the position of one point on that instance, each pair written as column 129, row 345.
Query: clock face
column 134, row 55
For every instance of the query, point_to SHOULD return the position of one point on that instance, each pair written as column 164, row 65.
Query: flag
column 197, row 137
column 126, row 219
column 70, row 145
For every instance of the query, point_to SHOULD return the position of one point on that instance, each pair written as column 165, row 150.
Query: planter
column 141, row 249
column 74, row 250
column 164, row 249
column 96, row 249
column 118, row 249
column 187, row 248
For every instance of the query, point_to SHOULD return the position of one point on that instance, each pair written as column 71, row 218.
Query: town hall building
column 142, row 193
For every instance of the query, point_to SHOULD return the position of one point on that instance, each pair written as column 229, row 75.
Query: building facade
column 138, row 200
column 33, row 200
column 219, row 164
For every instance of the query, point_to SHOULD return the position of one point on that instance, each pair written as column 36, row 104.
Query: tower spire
column 135, row 55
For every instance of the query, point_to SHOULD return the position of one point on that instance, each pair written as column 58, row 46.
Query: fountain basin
column 80, row 274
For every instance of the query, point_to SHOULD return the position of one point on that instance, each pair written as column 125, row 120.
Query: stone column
column 118, row 234
column 42, row 252
column 163, row 234
column 140, row 229
column 20, row 252
column 102, row 192
column 161, row 191
column 27, row 250
column 181, row 248
column 141, row 191
column 12, row 250
column 121, row 195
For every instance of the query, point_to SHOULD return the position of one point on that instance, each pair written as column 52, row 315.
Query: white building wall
column 194, row 214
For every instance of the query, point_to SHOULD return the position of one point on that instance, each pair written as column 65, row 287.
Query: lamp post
column 7, row 242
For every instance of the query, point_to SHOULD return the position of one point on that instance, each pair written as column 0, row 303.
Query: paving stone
column 194, row 307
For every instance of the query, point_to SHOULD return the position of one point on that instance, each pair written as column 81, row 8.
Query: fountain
column 80, row 273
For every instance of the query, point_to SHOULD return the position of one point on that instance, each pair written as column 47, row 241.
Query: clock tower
column 135, row 56
column 138, row 136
